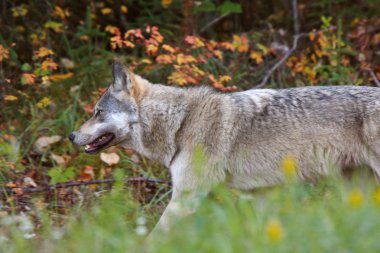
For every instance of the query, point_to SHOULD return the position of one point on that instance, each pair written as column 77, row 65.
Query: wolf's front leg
column 190, row 185
column 182, row 203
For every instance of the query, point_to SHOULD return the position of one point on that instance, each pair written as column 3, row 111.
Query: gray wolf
column 244, row 135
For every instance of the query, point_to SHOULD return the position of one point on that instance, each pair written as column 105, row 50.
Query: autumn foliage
column 55, row 63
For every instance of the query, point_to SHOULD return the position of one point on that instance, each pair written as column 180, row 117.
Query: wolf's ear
column 121, row 77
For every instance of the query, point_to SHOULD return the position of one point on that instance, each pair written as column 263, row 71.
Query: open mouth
column 99, row 143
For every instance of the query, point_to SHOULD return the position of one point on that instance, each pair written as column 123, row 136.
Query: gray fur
column 245, row 135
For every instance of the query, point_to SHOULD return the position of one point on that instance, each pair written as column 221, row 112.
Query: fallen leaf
column 10, row 98
column 58, row 77
column 74, row 89
column 67, row 63
column 87, row 173
column 135, row 158
column 29, row 182
column 110, row 158
column 11, row 185
column 42, row 143
column 58, row 159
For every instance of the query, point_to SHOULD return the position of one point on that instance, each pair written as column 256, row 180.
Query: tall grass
column 334, row 215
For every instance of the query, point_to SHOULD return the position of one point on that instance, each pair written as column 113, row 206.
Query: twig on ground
column 11, row 190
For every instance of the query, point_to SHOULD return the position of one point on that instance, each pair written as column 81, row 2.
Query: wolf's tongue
column 99, row 142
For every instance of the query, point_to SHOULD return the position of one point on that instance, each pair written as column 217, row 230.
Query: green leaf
column 60, row 175
column 206, row 6
column 26, row 67
column 229, row 7
column 55, row 174
column 69, row 173
column 23, row 81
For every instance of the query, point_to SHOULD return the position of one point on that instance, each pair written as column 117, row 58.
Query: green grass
column 333, row 216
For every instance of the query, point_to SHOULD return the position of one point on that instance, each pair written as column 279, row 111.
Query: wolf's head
column 115, row 114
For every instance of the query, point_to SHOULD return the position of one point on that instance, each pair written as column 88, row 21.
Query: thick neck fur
column 163, row 111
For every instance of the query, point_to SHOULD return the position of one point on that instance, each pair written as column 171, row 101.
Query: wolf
column 244, row 135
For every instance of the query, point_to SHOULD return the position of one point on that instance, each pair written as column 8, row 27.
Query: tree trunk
column 188, row 22
column 249, row 15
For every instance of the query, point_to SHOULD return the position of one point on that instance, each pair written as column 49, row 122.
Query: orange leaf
column 60, row 13
column 178, row 77
column 164, row 58
column 106, row 11
column 166, row 3
column 224, row 79
column 194, row 41
column 49, row 64
column 129, row 44
column 28, row 78
column 58, row 77
column 168, row 48
column 124, row 9
column 111, row 29
column 87, row 173
column 215, row 82
column 43, row 52
column 218, row 54
column 257, row 56
column 227, row 45
column 311, row 36
column 4, row 53
column 10, row 98
column 151, row 49
column 183, row 59
column 240, row 43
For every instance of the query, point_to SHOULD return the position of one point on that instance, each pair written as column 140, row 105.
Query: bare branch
column 297, row 35
column 281, row 61
column 296, row 22
column 11, row 190
column 214, row 21
column 374, row 77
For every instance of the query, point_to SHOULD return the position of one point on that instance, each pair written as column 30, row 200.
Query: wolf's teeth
column 87, row 147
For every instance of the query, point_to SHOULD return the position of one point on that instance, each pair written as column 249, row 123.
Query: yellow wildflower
column 376, row 196
column 44, row 102
column 274, row 230
column 355, row 198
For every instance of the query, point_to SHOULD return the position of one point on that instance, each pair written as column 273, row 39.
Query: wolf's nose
column 71, row 137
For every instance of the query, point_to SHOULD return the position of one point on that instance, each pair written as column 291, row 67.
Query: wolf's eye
column 98, row 112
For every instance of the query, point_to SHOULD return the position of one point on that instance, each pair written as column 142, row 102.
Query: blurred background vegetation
column 55, row 62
